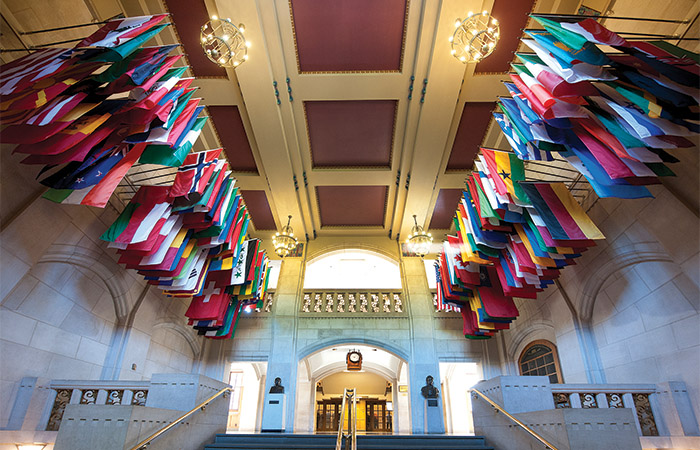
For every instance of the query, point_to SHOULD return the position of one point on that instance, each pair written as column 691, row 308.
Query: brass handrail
column 348, row 394
column 146, row 442
column 498, row 408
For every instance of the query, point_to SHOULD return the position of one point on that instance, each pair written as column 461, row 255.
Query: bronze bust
column 277, row 388
column 429, row 391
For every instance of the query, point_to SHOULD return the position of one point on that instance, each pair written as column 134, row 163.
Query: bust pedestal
column 432, row 416
column 274, row 413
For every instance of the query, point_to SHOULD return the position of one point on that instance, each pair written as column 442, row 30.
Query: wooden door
column 328, row 414
column 377, row 417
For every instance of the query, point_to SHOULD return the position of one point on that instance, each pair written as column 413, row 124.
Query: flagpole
column 578, row 16
column 637, row 36
column 69, row 27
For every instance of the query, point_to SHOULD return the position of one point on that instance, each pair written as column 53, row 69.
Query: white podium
column 432, row 416
column 274, row 413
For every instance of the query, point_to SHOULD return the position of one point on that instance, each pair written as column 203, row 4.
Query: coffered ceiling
column 350, row 115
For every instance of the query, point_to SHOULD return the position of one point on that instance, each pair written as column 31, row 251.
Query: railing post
column 628, row 402
column 575, row 399
column 602, row 400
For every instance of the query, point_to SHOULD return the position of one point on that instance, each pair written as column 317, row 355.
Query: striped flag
column 193, row 175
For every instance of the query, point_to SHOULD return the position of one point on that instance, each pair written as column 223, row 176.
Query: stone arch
column 543, row 329
column 623, row 257
column 111, row 274
column 334, row 342
column 326, row 250
column 183, row 332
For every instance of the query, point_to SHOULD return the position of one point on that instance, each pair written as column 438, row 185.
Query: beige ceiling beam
column 255, row 77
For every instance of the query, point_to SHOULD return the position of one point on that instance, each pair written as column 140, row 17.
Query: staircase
column 364, row 442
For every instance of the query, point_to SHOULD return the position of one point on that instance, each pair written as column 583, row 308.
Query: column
column 282, row 361
column 426, row 414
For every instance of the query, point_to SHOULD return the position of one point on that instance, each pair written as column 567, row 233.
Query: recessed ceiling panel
column 445, row 208
column 259, row 209
column 348, row 206
column 229, row 127
column 470, row 133
column 349, row 35
column 351, row 133
column 512, row 18
column 188, row 16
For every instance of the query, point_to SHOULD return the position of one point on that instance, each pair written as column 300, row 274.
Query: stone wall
column 633, row 301
column 67, row 309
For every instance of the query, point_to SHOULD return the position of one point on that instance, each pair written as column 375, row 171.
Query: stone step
column 364, row 442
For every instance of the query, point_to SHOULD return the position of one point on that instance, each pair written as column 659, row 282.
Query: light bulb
column 484, row 12
column 245, row 57
column 466, row 48
column 457, row 23
column 494, row 21
column 471, row 13
column 214, row 18
column 453, row 51
column 451, row 38
column 235, row 63
column 247, row 44
column 241, row 27
column 225, row 37
column 462, row 58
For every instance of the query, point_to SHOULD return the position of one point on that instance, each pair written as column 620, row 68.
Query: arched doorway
column 381, row 383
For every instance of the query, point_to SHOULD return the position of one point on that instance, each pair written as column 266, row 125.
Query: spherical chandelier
column 475, row 37
column 419, row 241
column 284, row 241
column 224, row 43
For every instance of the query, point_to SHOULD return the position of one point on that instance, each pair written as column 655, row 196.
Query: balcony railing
column 345, row 303
column 588, row 396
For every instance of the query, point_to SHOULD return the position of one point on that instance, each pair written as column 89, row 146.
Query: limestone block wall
column 68, row 310
column 633, row 300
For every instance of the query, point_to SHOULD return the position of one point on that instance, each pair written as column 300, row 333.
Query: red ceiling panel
column 470, row 133
column 352, row 205
column 445, row 207
column 349, row 35
column 234, row 140
column 351, row 133
column 259, row 210
column 512, row 17
column 188, row 16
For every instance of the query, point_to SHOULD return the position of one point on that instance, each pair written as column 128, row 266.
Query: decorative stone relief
column 115, row 396
column 588, row 400
column 561, row 400
column 614, row 400
column 645, row 415
column 140, row 397
column 88, row 397
column 59, row 406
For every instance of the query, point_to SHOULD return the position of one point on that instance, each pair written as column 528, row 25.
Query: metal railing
column 146, row 442
column 349, row 400
column 498, row 408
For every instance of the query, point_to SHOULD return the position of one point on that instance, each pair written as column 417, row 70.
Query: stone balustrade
column 81, row 392
column 345, row 303
column 574, row 415
column 634, row 396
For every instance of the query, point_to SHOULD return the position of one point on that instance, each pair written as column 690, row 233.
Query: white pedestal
column 433, row 416
column 274, row 413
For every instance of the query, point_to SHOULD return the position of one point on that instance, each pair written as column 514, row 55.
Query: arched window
column 352, row 268
column 541, row 358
